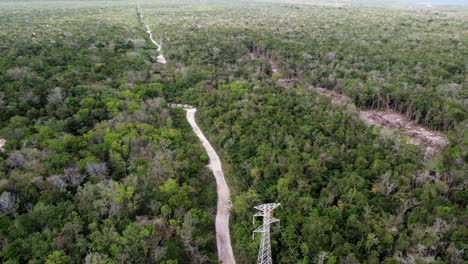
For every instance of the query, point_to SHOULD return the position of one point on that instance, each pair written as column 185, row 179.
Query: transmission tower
column 264, row 253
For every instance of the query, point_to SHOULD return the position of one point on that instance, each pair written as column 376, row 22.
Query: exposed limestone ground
column 431, row 141
column 2, row 143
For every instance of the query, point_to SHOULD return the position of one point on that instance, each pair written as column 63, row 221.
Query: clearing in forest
column 431, row 141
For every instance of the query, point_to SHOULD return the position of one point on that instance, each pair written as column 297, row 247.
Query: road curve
column 223, row 239
column 161, row 58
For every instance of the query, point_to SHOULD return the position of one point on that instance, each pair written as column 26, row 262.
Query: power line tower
column 264, row 253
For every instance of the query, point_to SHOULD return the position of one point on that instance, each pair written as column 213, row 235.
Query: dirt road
column 223, row 239
column 161, row 58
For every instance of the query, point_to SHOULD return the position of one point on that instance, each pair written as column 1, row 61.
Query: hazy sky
column 442, row 2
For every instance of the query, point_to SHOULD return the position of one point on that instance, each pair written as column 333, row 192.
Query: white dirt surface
column 283, row 82
column 431, row 141
column 161, row 59
column 2, row 143
column 223, row 239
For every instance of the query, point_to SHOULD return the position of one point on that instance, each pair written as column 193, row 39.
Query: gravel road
column 223, row 238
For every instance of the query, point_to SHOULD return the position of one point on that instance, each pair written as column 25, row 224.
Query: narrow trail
column 223, row 238
column 161, row 59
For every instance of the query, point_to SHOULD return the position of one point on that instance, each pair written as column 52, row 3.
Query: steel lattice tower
column 264, row 253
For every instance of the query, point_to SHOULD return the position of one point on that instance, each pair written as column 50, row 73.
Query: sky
column 439, row 2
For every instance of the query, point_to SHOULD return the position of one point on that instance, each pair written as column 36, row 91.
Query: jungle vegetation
column 98, row 169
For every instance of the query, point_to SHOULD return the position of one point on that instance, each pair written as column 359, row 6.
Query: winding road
column 223, row 239
column 161, row 58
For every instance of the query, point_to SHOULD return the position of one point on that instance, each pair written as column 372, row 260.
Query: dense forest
column 97, row 168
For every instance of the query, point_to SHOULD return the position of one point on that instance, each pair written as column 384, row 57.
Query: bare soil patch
column 431, row 141
column 2, row 143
